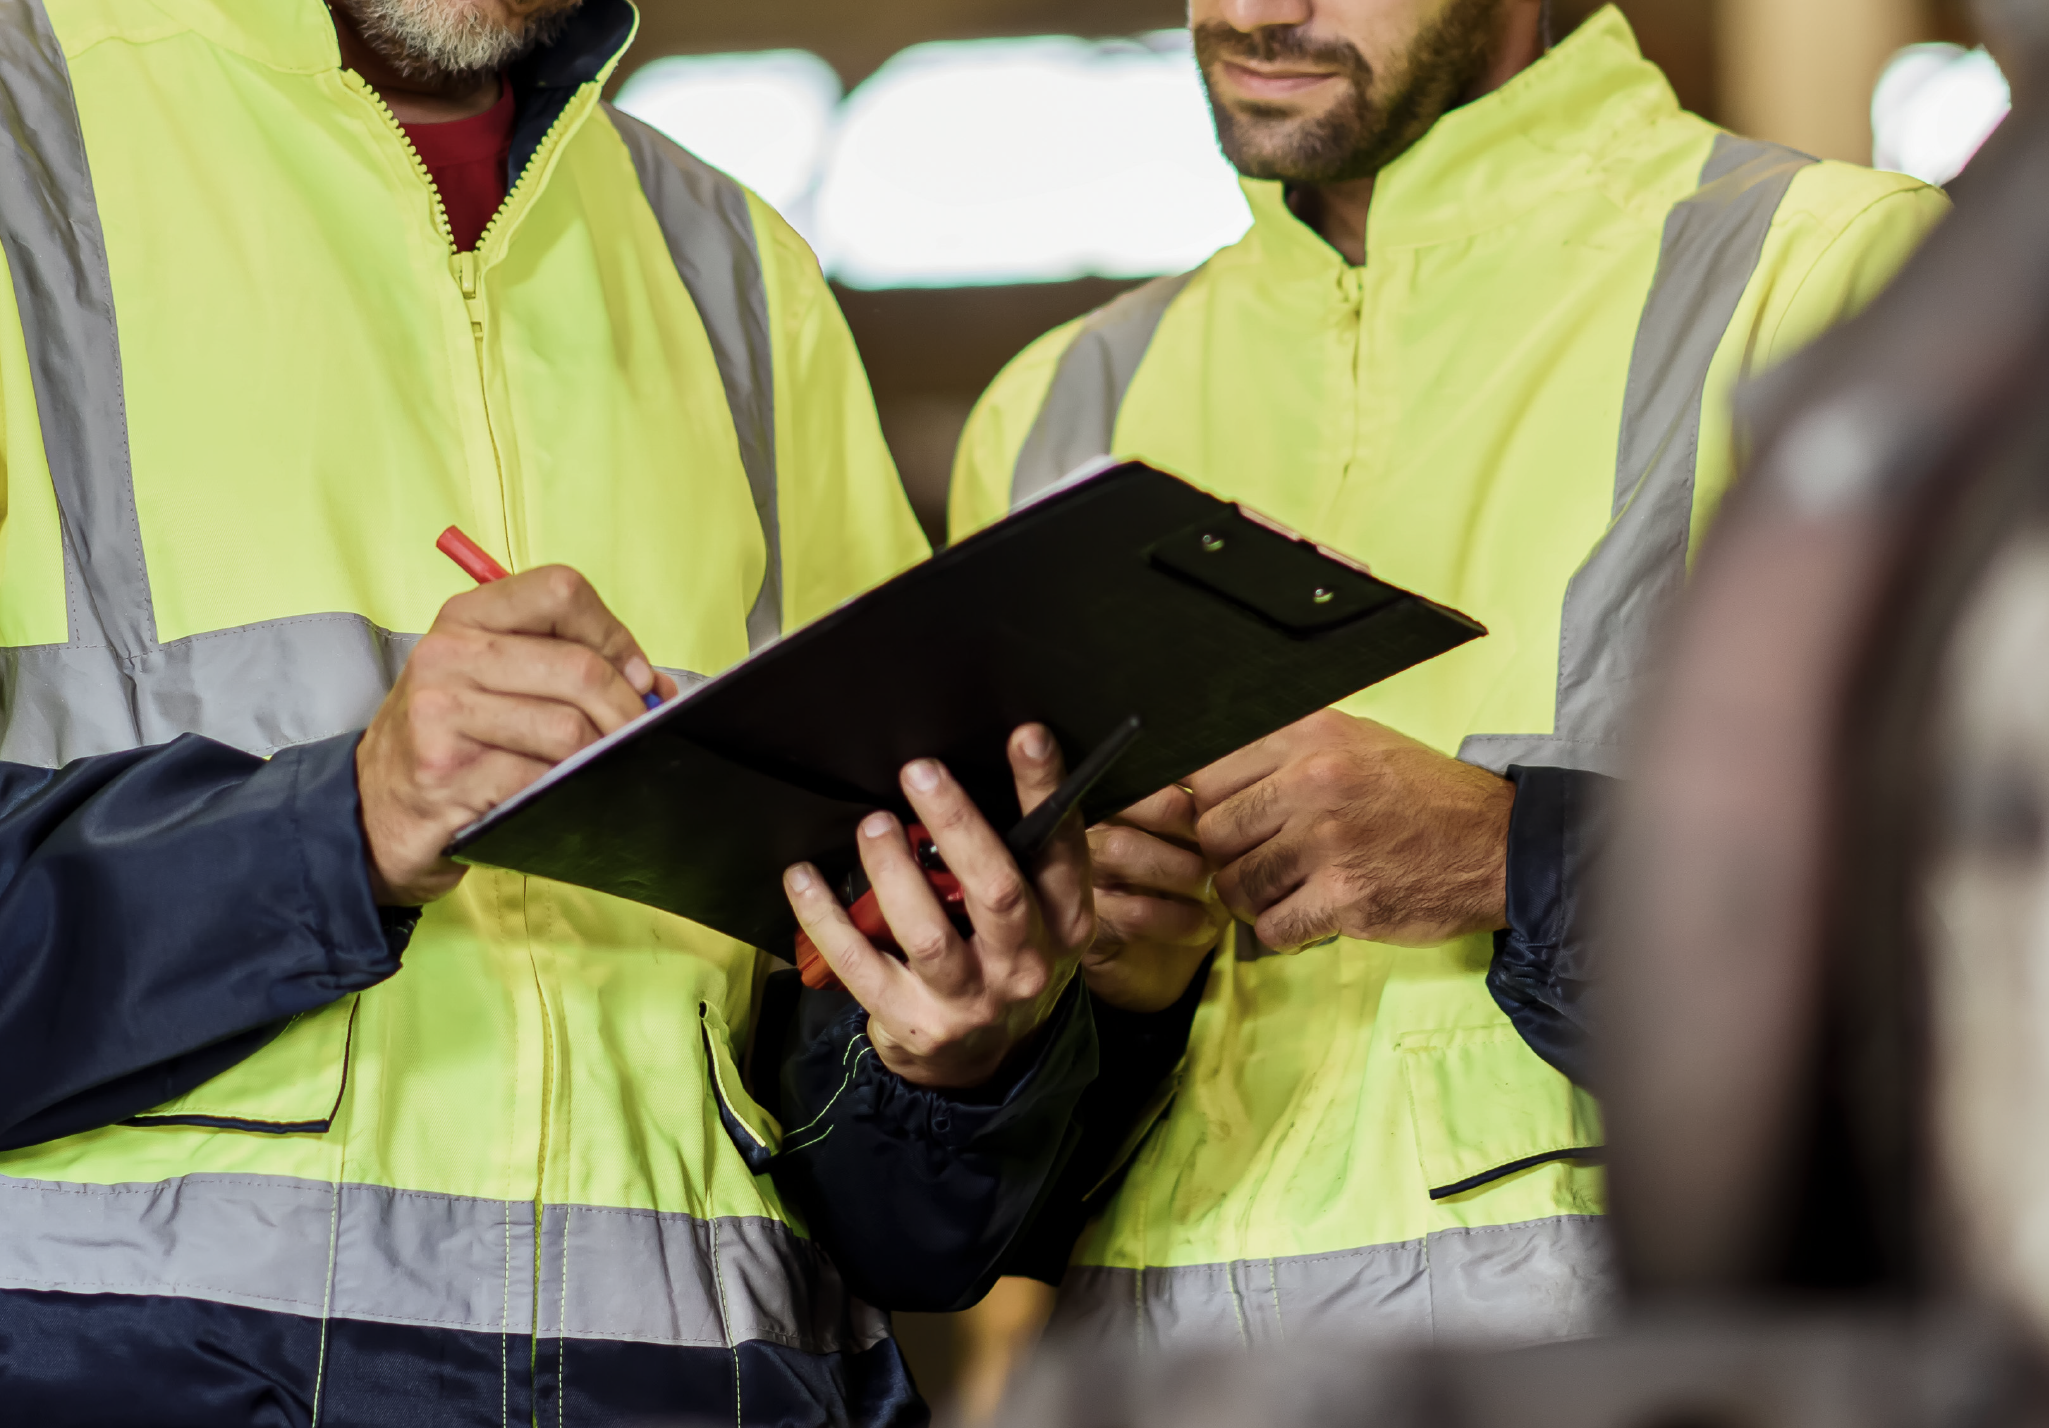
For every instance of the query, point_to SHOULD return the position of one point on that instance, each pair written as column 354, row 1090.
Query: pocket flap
column 754, row 1132
column 1485, row 1106
column 293, row 1085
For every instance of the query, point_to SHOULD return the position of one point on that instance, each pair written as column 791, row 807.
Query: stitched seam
column 210, row 1295
column 718, row 1083
column 327, row 1307
column 207, row 1292
column 1517, row 1227
column 338, row 617
column 818, row 1139
column 847, row 1081
column 718, row 1275
column 155, row 1187
column 562, row 1335
column 830, row 1344
column 504, row 1321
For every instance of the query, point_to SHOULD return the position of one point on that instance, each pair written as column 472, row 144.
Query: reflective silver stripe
column 1713, row 243
column 1497, row 1285
column 50, row 229
column 658, row 1278
column 1079, row 416
column 710, row 233
column 432, row 1261
column 260, row 688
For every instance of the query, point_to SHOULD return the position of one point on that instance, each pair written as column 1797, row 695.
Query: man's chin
column 1284, row 147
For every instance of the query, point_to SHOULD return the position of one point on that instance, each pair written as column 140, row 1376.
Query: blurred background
column 974, row 172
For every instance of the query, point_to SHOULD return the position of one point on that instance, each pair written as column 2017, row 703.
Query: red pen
column 476, row 563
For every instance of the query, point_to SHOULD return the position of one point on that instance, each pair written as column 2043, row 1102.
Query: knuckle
column 564, row 730
column 1330, row 830
column 431, row 708
column 588, row 672
column 1119, row 846
column 436, row 760
column 457, row 609
column 927, row 944
column 1007, row 896
column 435, row 652
column 560, row 583
column 1031, row 982
column 954, row 813
column 1327, row 770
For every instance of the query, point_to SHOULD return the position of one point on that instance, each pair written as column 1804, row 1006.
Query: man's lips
column 1274, row 83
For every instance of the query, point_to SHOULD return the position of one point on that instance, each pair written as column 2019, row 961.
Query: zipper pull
column 469, row 276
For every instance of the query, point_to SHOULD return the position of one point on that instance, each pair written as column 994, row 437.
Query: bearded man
column 298, row 1122
column 1482, row 335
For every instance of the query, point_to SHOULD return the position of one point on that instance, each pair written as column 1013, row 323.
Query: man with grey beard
column 1482, row 336
column 300, row 1121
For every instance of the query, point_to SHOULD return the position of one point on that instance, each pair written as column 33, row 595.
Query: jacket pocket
column 754, row 1132
column 293, row 1085
column 1486, row 1106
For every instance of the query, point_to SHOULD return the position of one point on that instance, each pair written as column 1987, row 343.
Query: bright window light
column 1004, row 161
column 1934, row 105
column 764, row 118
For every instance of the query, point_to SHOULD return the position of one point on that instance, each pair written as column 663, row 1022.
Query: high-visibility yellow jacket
column 244, row 383
column 1519, row 406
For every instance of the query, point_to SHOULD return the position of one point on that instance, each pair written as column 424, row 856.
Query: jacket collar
column 298, row 36
column 1552, row 127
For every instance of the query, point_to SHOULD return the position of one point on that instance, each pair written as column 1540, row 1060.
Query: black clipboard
column 1124, row 591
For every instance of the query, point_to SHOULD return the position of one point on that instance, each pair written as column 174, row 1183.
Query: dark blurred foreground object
column 1748, row 1372
column 1827, row 968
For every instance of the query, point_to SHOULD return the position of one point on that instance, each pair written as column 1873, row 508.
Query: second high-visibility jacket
column 256, row 1166
column 1518, row 406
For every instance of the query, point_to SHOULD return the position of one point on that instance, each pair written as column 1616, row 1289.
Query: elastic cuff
column 1062, row 1062
column 327, row 821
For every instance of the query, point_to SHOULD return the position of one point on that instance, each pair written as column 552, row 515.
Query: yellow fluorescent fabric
column 1469, row 1096
column 1448, row 413
column 311, row 398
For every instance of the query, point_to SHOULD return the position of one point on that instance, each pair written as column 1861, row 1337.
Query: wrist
column 963, row 1067
column 1144, row 978
column 396, row 880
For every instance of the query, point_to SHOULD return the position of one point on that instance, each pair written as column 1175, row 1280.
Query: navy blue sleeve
column 1140, row 1055
column 1541, row 974
column 915, row 1193
column 163, row 912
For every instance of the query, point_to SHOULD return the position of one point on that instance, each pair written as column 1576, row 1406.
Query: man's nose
column 1250, row 15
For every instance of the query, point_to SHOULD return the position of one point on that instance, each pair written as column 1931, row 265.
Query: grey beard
column 448, row 39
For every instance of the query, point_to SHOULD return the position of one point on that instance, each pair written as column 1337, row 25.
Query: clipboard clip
column 1267, row 569
column 1026, row 842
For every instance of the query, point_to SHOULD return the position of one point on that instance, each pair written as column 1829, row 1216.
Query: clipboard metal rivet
column 1323, row 595
column 1212, row 543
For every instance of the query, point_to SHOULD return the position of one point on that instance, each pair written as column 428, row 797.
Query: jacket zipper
column 468, row 271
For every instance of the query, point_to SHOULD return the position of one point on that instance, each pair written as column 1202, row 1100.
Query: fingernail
column 640, row 674
column 799, row 878
column 1036, row 742
column 922, row 774
column 876, row 825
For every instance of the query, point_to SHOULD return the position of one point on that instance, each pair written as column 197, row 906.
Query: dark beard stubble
column 1358, row 136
